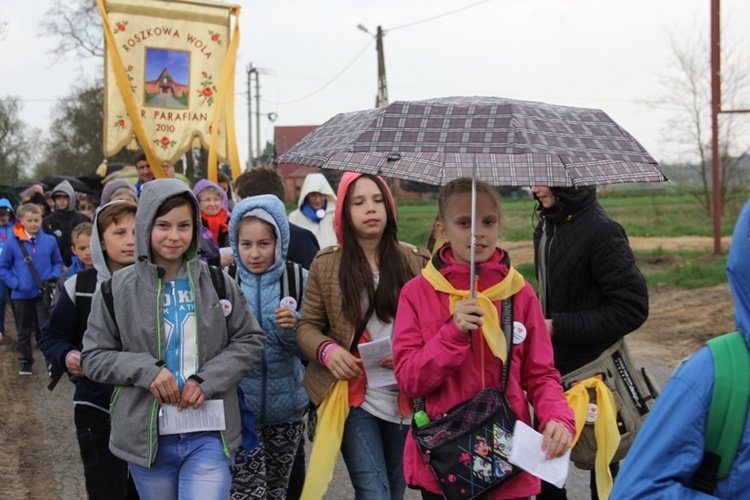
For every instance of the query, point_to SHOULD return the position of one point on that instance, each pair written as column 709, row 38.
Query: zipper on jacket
column 197, row 323
column 155, row 404
column 113, row 398
column 263, row 360
column 151, row 425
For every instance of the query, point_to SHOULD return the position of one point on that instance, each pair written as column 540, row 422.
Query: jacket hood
column 738, row 272
column 346, row 180
column 66, row 188
column 569, row 201
column 5, row 203
column 154, row 193
column 116, row 185
column 317, row 183
column 270, row 209
column 97, row 254
column 203, row 184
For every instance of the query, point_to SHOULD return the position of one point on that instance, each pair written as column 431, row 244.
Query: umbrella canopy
column 503, row 142
column 78, row 185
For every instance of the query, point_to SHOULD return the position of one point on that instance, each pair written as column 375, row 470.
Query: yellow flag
column 169, row 74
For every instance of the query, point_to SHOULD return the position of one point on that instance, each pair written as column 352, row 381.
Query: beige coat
column 323, row 318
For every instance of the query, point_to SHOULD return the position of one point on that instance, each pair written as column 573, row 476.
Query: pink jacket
column 433, row 358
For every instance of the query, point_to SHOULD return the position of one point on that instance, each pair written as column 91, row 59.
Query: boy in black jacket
column 112, row 248
column 60, row 224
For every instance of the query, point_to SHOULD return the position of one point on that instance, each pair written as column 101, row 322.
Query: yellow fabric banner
column 169, row 78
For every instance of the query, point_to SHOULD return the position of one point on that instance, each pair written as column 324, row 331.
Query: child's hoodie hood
column 67, row 188
column 5, row 203
column 268, row 208
column 203, row 184
column 317, row 183
column 738, row 272
column 97, row 254
column 153, row 194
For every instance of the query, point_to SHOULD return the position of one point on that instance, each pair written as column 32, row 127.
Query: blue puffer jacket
column 14, row 270
column 669, row 449
column 273, row 388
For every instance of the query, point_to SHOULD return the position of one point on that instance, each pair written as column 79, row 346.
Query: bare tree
column 77, row 26
column 686, row 84
column 17, row 144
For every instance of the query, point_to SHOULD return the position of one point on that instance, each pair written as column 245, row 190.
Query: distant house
column 165, row 84
column 294, row 175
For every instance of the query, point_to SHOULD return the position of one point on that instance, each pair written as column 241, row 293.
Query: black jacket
column 595, row 292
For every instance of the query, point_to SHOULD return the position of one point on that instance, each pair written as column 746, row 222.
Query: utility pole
column 250, row 71
column 382, row 83
column 257, row 116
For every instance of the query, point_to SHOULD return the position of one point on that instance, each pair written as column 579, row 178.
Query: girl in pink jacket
column 440, row 349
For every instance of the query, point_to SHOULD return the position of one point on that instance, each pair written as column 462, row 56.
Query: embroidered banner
column 169, row 79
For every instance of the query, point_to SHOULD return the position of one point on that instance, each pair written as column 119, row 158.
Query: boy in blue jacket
column 7, row 220
column 16, row 273
column 669, row 448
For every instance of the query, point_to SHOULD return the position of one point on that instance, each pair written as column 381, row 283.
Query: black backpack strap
column 290, row 284
column 84, row 294
column 109, row 301
column 217, row 278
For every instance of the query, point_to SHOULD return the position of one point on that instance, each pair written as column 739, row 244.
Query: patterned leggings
column 266, row 472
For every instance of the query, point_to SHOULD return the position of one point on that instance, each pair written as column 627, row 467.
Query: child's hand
column 285, row 318
column 73, row 363
column 344, row 365
column 192, row 395
column 468, row 315
column 557, row 439
column 387, row 362
column 164, row 388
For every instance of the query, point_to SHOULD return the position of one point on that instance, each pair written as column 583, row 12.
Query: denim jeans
column 28, row 311
column 187, row 466
column 373, row 450
column 106, row 475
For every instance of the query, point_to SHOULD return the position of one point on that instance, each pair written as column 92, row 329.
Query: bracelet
column 326, row 353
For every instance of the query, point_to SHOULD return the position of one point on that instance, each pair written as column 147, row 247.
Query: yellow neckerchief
column 332, row 415
column 510, row 285
column 605, row 427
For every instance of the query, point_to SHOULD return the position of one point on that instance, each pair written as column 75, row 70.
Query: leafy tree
column 75, row 143
column 686, row 85
column 16, row 143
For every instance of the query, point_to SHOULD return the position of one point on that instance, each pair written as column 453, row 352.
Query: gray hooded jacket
column 129, row 352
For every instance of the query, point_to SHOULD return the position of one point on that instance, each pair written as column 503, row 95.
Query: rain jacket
column 596, row 294
column 61, row 334
column 434, row 359
column 273, row 388
column 14, row 270
column 129, row 352
column 6, row 231
column 323, row 229
column 669, row 447
column 60, row 223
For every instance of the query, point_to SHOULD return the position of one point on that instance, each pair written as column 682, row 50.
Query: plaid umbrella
column 503, row 142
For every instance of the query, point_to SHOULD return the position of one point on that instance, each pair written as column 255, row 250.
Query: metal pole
column 257, row 116
column 473, row 272
column 249, row 115
column 715, row 109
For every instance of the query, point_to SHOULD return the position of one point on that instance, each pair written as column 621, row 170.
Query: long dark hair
column 355, row 273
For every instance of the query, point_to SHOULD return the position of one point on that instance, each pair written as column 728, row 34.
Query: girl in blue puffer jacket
column 259, row 237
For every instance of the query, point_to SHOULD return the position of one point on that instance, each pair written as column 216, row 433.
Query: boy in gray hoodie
column 193, row 349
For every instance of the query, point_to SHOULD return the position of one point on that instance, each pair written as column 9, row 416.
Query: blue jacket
column 273, row 388
column 669, row 449
column 14, row 270
column 6, row 231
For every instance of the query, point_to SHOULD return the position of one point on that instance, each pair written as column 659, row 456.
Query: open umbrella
column 504, row 142
column 78, row 185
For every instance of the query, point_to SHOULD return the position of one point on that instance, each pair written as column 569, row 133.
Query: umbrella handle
column 473, row 272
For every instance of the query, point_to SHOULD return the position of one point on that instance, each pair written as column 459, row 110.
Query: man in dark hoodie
column 591, row 292
column 61, row 222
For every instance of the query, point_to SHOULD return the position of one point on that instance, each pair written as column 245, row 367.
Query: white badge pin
column 519, row 332
column 320, row 213
column 289, row 302
column 226, row 306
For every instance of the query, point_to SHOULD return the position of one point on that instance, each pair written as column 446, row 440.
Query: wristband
column 326, row 353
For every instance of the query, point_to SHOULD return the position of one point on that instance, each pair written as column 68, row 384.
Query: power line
column 329, row 81
column 438, row 16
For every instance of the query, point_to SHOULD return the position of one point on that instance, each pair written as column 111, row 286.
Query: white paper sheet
column 526, row 452
column 209, row 417
column 372, row 353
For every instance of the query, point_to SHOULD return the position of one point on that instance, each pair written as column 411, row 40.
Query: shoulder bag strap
column 27, row 259
column 361, row 328
column 507, row 324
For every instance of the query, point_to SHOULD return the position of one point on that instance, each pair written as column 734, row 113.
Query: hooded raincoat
column 273, row 388
column 321, row 227
column 669, row 447
column 128, row 351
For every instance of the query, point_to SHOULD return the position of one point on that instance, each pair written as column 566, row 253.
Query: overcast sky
column 314, row 62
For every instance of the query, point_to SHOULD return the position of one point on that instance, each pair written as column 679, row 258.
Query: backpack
column 728, row 411
column 290, row 284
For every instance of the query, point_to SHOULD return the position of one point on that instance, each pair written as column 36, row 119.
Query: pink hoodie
column 433, row 358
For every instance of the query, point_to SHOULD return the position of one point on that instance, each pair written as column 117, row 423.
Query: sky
column 314, row 62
